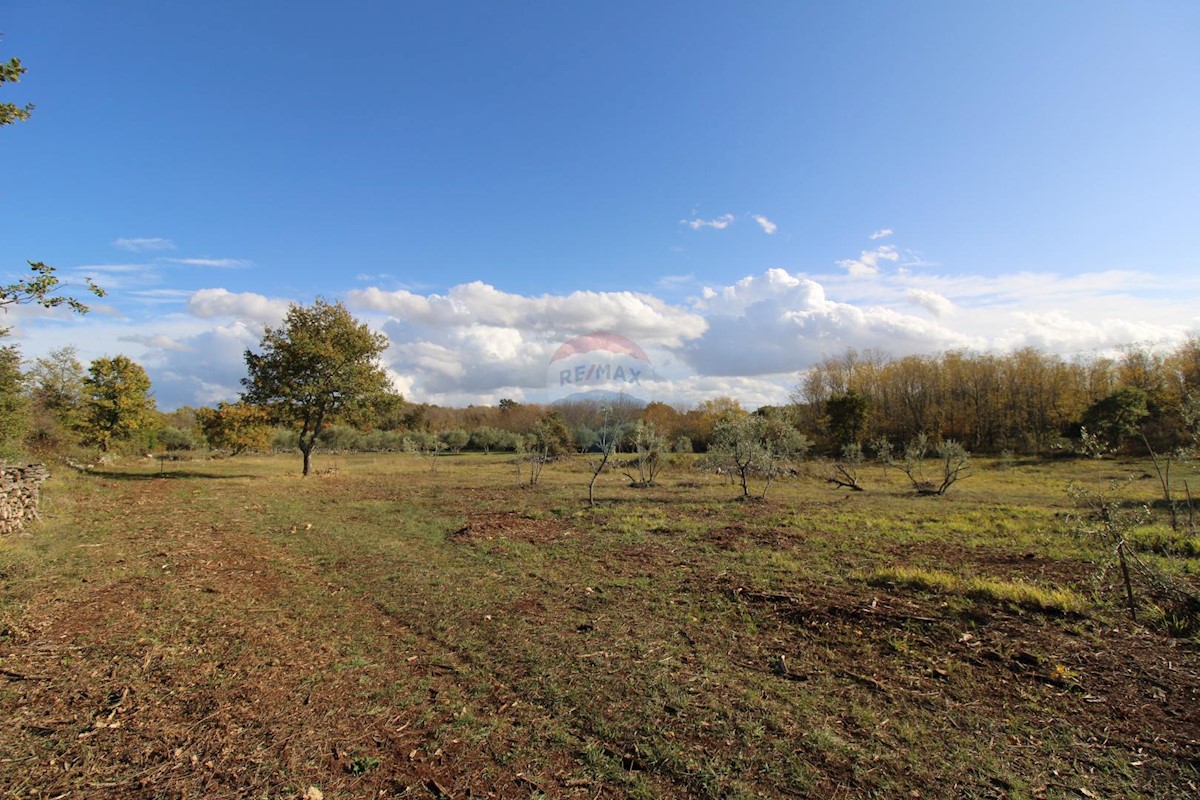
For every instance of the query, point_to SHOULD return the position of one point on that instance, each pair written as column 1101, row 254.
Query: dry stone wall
column 20, row 489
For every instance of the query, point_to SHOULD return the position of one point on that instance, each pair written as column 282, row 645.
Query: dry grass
column 1019, row 594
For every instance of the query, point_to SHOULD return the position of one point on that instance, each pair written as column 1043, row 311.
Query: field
column 227, row 629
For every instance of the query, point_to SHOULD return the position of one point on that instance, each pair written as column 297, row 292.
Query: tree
column 847, row 468
column 235, row 427
column 55, row 386
column 954, row 464
column 749, row 444
column 847, row 417
column 41, row 287
column 11, row 72
column 486, row 438
column 1117, row 416
column 550, row 439
column 14, row 406
column 320, row 366
column 606, row 439
column 650, row 448
column 455, row 439
column 118, row 402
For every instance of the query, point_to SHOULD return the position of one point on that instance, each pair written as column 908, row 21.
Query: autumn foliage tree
column 321, row 366
column 235, row 427
column 117, row 402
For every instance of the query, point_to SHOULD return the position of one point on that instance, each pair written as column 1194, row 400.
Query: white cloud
column 142, row 244
column 160, row 296
column 641, row 317
column 882, row 234
column 477, row 341
column 782, row 323
column 209, row 303
column 222, row 263
column 156, row 341
column 112, row 277
column 203, row 368
column 766, row 224
column 672, row 282
column 867, row 263
column 932, row 302
column 748, row 338
column 1057, row 332
column 720, row 223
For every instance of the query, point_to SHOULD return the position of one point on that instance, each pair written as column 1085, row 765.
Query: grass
column 1019, row 594
column 477, row 636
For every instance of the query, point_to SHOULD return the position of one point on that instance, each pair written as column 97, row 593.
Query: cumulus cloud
column 142, row 244
column 639, row 316
column 766, row 224
column 478, row 341
column 720, row 223
column 782, row 323
column 221, row 263
column 1058, row 332
column 867, row 263
column 203, row 368
column 748, row 338
column 209, row 303
column 882, row 234
column 932, row 302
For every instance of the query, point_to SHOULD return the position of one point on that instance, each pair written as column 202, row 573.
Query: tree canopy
column 118, row 403
column 321, row 366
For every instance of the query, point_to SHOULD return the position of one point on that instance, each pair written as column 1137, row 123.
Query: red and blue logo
column 598, row 362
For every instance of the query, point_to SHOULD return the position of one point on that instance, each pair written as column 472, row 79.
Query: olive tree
column 750, row 444
column 320, row 366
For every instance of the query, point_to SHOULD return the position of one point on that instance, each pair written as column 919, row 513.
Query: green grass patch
column 1164, row 541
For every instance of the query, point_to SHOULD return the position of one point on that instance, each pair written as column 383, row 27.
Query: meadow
column 226, row 628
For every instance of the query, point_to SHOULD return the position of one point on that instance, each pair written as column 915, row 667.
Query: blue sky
column 482, row 181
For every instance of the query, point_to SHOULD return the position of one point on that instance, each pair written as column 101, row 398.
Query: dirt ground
column 198, row 658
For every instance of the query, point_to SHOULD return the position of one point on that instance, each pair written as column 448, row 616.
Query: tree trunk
column 307, row 451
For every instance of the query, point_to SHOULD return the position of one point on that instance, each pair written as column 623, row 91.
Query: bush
column 340, row 438
column 176, row 439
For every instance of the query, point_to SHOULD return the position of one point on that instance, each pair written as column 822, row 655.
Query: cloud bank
column 752, row 338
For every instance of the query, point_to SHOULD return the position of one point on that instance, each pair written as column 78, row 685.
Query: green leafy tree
column 552, row 436
column 455, row 439
column 486, row 438
column 235, row 427
column 42, row 286
column 320, row 367
column 118, row 404
column 14, row 405
column 11, row 72
column 1118, row 416
column 55, row 386
column 847, row 415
